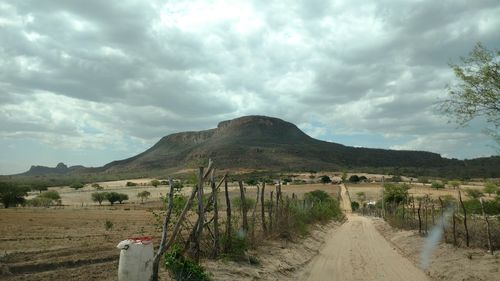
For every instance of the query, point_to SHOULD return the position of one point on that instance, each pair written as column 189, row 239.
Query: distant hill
column 260, row 142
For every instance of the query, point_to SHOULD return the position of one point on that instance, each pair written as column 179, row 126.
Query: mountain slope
column 260, row 142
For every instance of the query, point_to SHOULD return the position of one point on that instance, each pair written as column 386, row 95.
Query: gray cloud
column 118, row 76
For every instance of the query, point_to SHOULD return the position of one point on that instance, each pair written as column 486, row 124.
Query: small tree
column 396, row 193
column 112, row 197
column 155, row 183
column 437, row 185
column 455, row 184
column 143, row 195
column 491, row 188
column 12, row 194
column 474, row 193
column 344, row 177
column 99, row 197
column 52, row 195
column 354, row 179
column 325, row 179
column 478, row 92
column 76, row 185
column 251, row 182
column 122, row 197
column 39, row 187
column 129, row 183
column 363, row 179
column 97, row 186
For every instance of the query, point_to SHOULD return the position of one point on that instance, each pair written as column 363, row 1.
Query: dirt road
column 357, row 251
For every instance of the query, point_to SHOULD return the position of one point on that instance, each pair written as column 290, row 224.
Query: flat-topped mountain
column 260, row 142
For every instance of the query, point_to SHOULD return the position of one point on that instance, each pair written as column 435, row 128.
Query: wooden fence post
column 271, row 218
column 419, row 217
column 163, row 241
column 465, row 219
column 227, row 245
column 243, row 207
column 442, row 218
column 490, row 245
column 253, row 217
column 216, row 216
column 262, row 203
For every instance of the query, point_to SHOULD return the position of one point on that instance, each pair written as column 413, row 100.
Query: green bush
column 354, row 205
column 437, row 185
column 182, row 268
column 239, row 246
column 129, row 183
column 39, row 202
column 12, row 194
column 76, row 185
column 396, row 193
column 236, row 203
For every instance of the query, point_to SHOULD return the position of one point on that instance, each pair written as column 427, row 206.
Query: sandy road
column 356, row 251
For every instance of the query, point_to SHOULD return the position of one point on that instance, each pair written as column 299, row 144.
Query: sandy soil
column 446, row 263
column 356, row 251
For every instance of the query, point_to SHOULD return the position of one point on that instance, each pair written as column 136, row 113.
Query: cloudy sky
column 88, row 82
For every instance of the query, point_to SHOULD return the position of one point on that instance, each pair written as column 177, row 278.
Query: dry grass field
column 72, row 242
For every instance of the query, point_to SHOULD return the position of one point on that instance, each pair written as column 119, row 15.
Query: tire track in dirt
column 357, row 251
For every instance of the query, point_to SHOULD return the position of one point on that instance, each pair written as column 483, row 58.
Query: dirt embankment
column 278, row 259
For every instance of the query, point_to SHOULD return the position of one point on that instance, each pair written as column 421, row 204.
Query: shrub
column 354, row 205
column 454, row 183
column 474, row 193
column 317, row 195
column 52, row 195
column 250, row 202
column 76, row 185
column 177, row 186
column 239, row 246
column 97, row 186
column 39, row 202
column 325, row 179
column 491, row 188
column 108, row 225
column 129, row 183
column 396, row 193
column 155, row 183
column 251, row 182
column 182, row 268
column 437, row 185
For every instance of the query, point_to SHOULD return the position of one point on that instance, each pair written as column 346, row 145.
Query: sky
column 89, row 82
